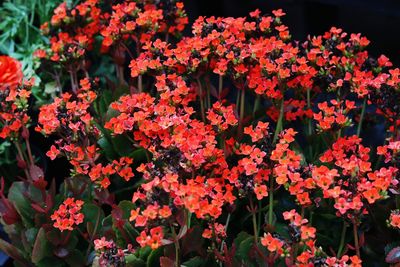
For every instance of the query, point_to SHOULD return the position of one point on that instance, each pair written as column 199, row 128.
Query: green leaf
column 282, row 229
column 126, row 207
column 144, row 253
column 14, row 253
column 21, row 203
column 154, row 258
column 31, row 234
column 122, row 145
column 139, row 155
column 92, row 213
column 107, row 147
column 328, row 216
column 93, row 217
column 132, row 261
column 241, row 237
column 75, row 258
column 244, row 250
column 194, row 262
column 53, row 262
column 51, row 88
column 41, row 248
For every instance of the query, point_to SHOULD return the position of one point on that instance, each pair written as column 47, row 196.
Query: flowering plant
column 234, row 146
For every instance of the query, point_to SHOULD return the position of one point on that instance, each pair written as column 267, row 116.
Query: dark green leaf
column 41, row 248
column 194, row 262
column 132, row 261
column 154, row 258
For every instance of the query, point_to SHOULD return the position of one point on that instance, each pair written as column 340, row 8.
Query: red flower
column 272, row 244
column 68, row 214
column 394, row 219
column 10, row 72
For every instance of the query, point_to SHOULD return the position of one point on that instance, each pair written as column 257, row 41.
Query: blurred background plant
column 20, row 35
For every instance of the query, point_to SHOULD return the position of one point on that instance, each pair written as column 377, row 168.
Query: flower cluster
column 301, row 233
column 68, row 215
column 357, row 183
column 69, row 117
column 141, row 21
column 13, row 110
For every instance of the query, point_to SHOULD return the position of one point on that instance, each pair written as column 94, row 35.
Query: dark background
column 378, row 20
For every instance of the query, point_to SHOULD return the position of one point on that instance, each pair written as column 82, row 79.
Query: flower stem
column 28, row 148
column 279, row 123
column 176, row 247
column 342, row 239
column 226, row 230
column 220, row 85
column 203, row 114
column 140, row 78
column 254, row 219
column 256, row 104
column 21, row 155
column 310, row 130
column 74, row 81
column 361, row 117
column 356, row 243
column 242, row 100
column 271, row 201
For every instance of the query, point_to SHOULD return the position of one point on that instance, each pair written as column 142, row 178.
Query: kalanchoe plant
column 233, row 146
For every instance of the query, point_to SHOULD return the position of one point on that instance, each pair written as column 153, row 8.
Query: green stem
column 356, row 242
column 271, row 201
column 120, row 74
column 226, row 230
column 342, row 239
column 237, row 102
column 309, row 107
column 339, row 133
column 208, row 97
column 254, row 219
column 176, row 247
column 280, row 122
column 256, row 104
column 361, row 117
column 140, row 78
column 310, row 130
column 242, row 100
column 203, row 114
column 259, row 216
column 93, row 235
column 397, row 201
column 220, row 85
column 189, row 219
column 74, row 81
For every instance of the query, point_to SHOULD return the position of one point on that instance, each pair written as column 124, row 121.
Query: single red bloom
column 10, row 72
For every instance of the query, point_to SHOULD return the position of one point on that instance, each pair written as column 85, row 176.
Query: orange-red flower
column 10, row 73
column 68, row 214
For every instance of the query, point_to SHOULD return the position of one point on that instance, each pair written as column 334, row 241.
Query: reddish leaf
column 166, row 262
column 36, row 173
column 393, row 256
column 192, row 241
